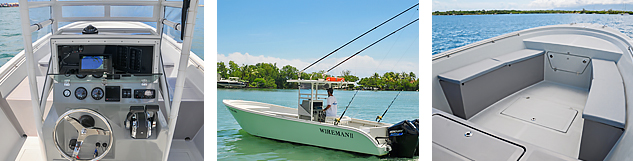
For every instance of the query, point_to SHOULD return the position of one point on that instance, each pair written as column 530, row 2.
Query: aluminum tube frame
column 30, row 68
column 40, row 25
column 172, row 24
column 182, row 73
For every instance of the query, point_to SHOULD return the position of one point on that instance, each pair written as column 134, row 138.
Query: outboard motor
column 403, row 139
column 140, row 121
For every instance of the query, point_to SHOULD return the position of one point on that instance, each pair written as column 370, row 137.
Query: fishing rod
column 372, row 44
column 356, row 39
column 379, row 118
column 350, row 102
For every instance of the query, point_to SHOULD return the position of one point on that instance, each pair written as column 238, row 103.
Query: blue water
column 11, row 42
column 451, row 32
column 236, row 144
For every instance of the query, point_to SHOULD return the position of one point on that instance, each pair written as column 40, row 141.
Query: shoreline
column 504, row 12
column 261, row 88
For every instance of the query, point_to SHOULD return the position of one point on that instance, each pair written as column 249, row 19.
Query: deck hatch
column 450, row 135
column 567, row 62
column 542, row 112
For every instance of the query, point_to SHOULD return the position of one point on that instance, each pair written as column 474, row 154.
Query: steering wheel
column 84, row 131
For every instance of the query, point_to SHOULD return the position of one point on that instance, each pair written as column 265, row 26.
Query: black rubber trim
column 522, row 147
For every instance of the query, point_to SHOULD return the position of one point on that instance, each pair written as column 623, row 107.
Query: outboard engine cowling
column 403, row 139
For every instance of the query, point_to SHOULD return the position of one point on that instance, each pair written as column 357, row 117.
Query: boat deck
column 181, row 150
column 546, row 114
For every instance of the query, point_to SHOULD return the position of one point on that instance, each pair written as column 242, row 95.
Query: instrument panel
column 105, row 73
column 105, row 94
column 96, row 60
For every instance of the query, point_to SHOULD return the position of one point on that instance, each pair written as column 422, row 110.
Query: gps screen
column 92, row 62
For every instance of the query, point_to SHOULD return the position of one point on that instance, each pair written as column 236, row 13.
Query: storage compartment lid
column 472, row 143
column 468, row 72
column 542, row 112
column 518, row 56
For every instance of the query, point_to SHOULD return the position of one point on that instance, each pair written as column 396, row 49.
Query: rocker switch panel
column 126, row 93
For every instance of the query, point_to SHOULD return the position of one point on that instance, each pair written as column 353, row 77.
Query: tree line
column 486, row 12
column 267, row 75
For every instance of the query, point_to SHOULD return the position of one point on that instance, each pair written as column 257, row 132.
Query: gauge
column 81, row 76
column 81, row 93
column 66, row 93
column 97, row 75
column 97, row 93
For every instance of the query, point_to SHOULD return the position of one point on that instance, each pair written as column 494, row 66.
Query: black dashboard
column 96, row 60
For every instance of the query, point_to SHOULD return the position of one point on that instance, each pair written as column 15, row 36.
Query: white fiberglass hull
column 277, row 122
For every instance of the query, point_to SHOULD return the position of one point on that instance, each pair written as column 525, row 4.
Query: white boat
column 308, row 125
column 93, row 86
column 232, row 82
column 548, row 93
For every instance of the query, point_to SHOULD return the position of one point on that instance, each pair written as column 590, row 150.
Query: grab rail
column 172, row 24
column 451, row 52
column 40, row 25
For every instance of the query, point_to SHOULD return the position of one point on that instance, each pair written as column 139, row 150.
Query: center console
column 109, row 87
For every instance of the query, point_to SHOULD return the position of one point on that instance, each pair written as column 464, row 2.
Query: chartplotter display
column 92, row 63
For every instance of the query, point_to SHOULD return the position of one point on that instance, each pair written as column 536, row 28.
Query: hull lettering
column 336, row 133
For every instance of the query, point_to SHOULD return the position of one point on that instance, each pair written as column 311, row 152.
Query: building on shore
column 9, row 5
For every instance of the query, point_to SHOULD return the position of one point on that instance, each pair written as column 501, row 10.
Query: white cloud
column 360, row 65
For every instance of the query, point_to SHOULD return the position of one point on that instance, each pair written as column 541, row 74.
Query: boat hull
column 231, row 85
column 306, row 132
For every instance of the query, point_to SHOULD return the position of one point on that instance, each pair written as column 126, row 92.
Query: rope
column 356, row 39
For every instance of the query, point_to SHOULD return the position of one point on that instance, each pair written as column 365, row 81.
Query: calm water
column 450, row 32
column 11, row 34
column 236, row 144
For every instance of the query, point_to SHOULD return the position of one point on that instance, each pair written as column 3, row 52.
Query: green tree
column 258, row 82
column 222, row 70
column 234, row 70
column 348, row 76
column 286, row 73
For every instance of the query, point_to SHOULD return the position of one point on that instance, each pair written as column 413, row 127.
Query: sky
column 443, row 5
column 297, row 33
column 15, row 1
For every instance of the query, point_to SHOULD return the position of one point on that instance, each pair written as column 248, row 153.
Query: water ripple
column 451, row 32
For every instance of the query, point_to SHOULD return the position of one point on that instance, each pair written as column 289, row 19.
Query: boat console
column 105, row 96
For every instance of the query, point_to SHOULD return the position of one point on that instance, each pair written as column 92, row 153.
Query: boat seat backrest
column 605, row 111
column 472, row 88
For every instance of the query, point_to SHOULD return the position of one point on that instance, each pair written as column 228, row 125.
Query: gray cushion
column 468, row 72
column 606, row 70
column 518, row 56
column 606, row 102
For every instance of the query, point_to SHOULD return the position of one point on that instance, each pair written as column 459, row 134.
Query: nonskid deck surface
column 181, row 150
column 555, row 126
